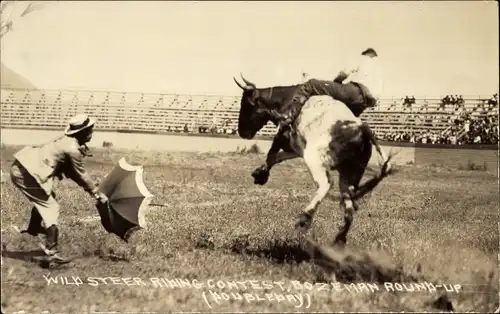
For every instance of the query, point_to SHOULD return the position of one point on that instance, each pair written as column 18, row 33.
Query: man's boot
column 35, row 225
column 51, row 249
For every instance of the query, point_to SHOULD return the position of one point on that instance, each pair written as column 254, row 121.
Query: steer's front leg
column 274, row 156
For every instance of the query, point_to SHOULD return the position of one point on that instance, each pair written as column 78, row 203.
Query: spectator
column 453, row 100
column 477, row 139
column 467, row 125
column 493, row 101
column 445, row 101
column 412, row 138
column 442, row 105
column 453, row 138
column 406, row 102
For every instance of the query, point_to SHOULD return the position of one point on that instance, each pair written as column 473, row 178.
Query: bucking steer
column 326, row 135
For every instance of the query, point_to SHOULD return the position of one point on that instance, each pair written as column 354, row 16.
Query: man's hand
column 341, row 77
column 101, row 197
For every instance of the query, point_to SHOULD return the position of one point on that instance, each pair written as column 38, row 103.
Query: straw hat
column 78, row 123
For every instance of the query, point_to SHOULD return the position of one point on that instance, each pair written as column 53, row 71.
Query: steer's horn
column 237, row 83
column 247, row 82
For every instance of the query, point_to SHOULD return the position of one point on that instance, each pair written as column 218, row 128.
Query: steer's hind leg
column 319, row 173
column 350, row 175
column 347, row 204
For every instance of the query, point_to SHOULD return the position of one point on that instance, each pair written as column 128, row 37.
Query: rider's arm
column 346, row 71
column 341, row 77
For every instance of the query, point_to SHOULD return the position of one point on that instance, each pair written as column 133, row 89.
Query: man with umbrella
column 35, row 168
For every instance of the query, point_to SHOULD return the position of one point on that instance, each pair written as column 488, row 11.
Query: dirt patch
column 343, row 264
column 350, row 265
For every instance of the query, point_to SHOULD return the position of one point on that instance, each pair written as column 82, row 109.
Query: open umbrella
column 128, row 199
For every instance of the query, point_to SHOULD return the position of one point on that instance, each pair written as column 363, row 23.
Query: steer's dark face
column 252, row 118
column 256, row 104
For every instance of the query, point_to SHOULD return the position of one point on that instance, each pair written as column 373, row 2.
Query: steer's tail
column 374, row 181
column 367, row 131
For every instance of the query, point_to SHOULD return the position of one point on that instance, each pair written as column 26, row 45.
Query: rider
column 358, row 86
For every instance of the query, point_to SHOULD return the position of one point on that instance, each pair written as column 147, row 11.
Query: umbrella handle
column 160, row 205
column 110, row 213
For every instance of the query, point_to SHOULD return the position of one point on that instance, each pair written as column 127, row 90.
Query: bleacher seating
column 174, row 113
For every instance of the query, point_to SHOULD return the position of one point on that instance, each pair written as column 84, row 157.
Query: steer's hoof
column 304, row 221
column 33, row 231
column 388, row 168
column 260, row 175
column 340, row 241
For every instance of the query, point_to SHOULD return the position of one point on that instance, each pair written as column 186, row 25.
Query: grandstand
column 162, row 113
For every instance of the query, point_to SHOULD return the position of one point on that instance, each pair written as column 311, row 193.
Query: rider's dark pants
column 354, row 95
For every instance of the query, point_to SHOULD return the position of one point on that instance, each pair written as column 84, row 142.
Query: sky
column 428, row 48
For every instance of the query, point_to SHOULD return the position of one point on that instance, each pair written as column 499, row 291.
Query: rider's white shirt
column 367, row 71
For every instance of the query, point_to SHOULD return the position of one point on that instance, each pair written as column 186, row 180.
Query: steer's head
column 252, row 118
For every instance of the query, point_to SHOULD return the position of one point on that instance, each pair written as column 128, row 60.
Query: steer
column 326, row 135
column 273, row 98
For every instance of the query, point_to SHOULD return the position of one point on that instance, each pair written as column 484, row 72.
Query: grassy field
column 431, row 225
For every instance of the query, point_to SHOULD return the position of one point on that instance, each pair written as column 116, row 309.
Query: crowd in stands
column 452, row 100
column 407, row 101
column 214, row 128
column 463, row 128
column 481, row 131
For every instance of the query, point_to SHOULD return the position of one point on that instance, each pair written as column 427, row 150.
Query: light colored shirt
column 62, row 156
column 367, row 71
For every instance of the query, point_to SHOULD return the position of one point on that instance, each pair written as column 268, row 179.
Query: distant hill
column 11, row 79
